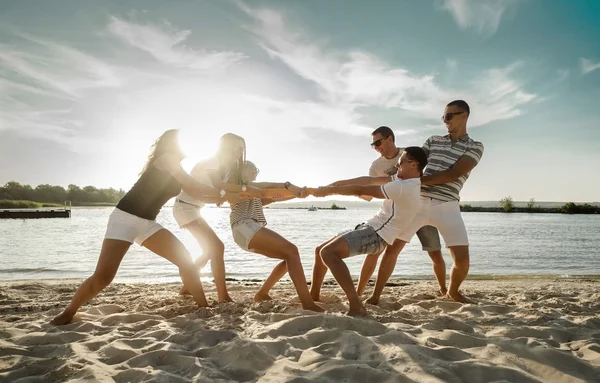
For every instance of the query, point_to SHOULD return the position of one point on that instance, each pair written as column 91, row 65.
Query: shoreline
column 392, row 282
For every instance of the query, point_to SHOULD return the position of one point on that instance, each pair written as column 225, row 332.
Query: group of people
column 419, row 186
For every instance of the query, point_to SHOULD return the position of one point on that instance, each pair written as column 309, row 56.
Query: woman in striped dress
column 248, row 225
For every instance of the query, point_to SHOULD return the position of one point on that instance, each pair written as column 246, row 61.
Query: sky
column 87, row 86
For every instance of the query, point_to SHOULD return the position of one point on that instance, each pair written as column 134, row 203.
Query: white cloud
column 483, row 16
column 356, row 78
column 588, row 65
column 166, row 44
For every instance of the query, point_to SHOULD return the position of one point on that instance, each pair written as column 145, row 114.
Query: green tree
column 507, row 204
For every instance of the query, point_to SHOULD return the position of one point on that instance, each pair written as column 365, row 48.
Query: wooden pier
column 37, row 213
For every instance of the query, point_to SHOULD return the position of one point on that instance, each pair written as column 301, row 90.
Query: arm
column 363, row 181
column 270, row 200
column 463, row 166
column 215, row 178
column 192, row 187
column 353, row 190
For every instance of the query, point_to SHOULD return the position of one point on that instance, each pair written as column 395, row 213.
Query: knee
column 318, row 251
column 436, row 258
column 102, row 280
column 328, row 254
column 290, row 252
column 218, row 248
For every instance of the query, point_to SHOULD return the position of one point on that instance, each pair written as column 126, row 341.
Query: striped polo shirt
column 442, row 153
column 248, row 209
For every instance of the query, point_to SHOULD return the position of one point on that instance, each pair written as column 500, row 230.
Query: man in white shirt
column 384, row 142
column 401, row 194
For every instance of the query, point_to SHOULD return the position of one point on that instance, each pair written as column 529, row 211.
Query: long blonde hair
column 233, row 171
column 166, row 143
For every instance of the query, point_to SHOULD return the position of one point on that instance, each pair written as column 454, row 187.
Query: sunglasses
column 378, row 142
column 448, row 116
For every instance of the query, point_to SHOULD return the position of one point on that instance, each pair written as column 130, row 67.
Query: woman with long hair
column 222, row 172
column 248, row 225
column 134, row 220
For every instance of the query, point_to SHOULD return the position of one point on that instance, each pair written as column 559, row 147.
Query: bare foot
column 314, row 307
column 62, row 319
column 443, row 292
column 358, row 311
column 458, row 297
column 225, row 300
column 372, row 301
column 184, row 291
column 262, row 297
column 315, row 297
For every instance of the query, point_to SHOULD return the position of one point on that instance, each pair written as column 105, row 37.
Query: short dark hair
column 462, row 105
column 416, row 153
column 385, row 132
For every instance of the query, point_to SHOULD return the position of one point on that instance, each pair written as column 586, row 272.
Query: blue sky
column 86, row 87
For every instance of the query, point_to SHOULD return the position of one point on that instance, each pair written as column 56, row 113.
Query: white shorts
column 243, row 232
column 445, row 216
column 185, row 213
column 128, row 227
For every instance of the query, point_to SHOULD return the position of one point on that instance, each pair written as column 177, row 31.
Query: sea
column 502, row 245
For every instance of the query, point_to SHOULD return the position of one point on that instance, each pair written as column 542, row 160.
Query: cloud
column 588, row 65
column 166, row 44
column 357, row 78
column 483, row 16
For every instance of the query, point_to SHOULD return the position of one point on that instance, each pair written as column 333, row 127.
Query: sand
column 516, row 331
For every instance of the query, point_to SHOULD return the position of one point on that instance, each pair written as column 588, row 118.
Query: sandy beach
column 517, row 330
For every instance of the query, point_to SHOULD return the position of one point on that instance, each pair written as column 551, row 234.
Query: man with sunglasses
column 450, row 161
column 384, row 143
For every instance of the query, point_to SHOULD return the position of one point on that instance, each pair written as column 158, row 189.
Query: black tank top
column 151, row 191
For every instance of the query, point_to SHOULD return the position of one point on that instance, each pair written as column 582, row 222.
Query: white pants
column 243, row 232
column 128, row 227
column 185, row 213
column 445, row 216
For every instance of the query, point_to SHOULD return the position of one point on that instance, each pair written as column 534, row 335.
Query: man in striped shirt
column 450, row 161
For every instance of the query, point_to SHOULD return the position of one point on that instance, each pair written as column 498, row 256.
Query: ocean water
column 501, row 245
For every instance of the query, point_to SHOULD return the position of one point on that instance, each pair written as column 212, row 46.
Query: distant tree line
column 507, row 205
column 57, row 194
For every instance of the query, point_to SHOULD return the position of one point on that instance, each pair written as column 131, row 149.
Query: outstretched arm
column 215, row 178
column 363, row 181
column 354, row 190
column 192, row 187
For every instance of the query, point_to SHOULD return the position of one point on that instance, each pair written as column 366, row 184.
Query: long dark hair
column 166, row 143
column 232, row 173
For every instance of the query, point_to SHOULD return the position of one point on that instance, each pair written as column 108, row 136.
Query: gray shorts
column 363, row 240
column 429, row 238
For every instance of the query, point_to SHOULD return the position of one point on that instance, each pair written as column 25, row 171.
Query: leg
column 111, row 255
column 368, row 268
column 439, row 269
column 165, row 244
column 332, row 255
column 277, row 273
column 213, row 249
column 460, row 269
column 447, row 218
column 318, row 273
column 386, row 268
column 273, row 245
column 430, row 241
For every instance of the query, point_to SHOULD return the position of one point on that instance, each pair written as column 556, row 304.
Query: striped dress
column 442, row 154
column 249, row 209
